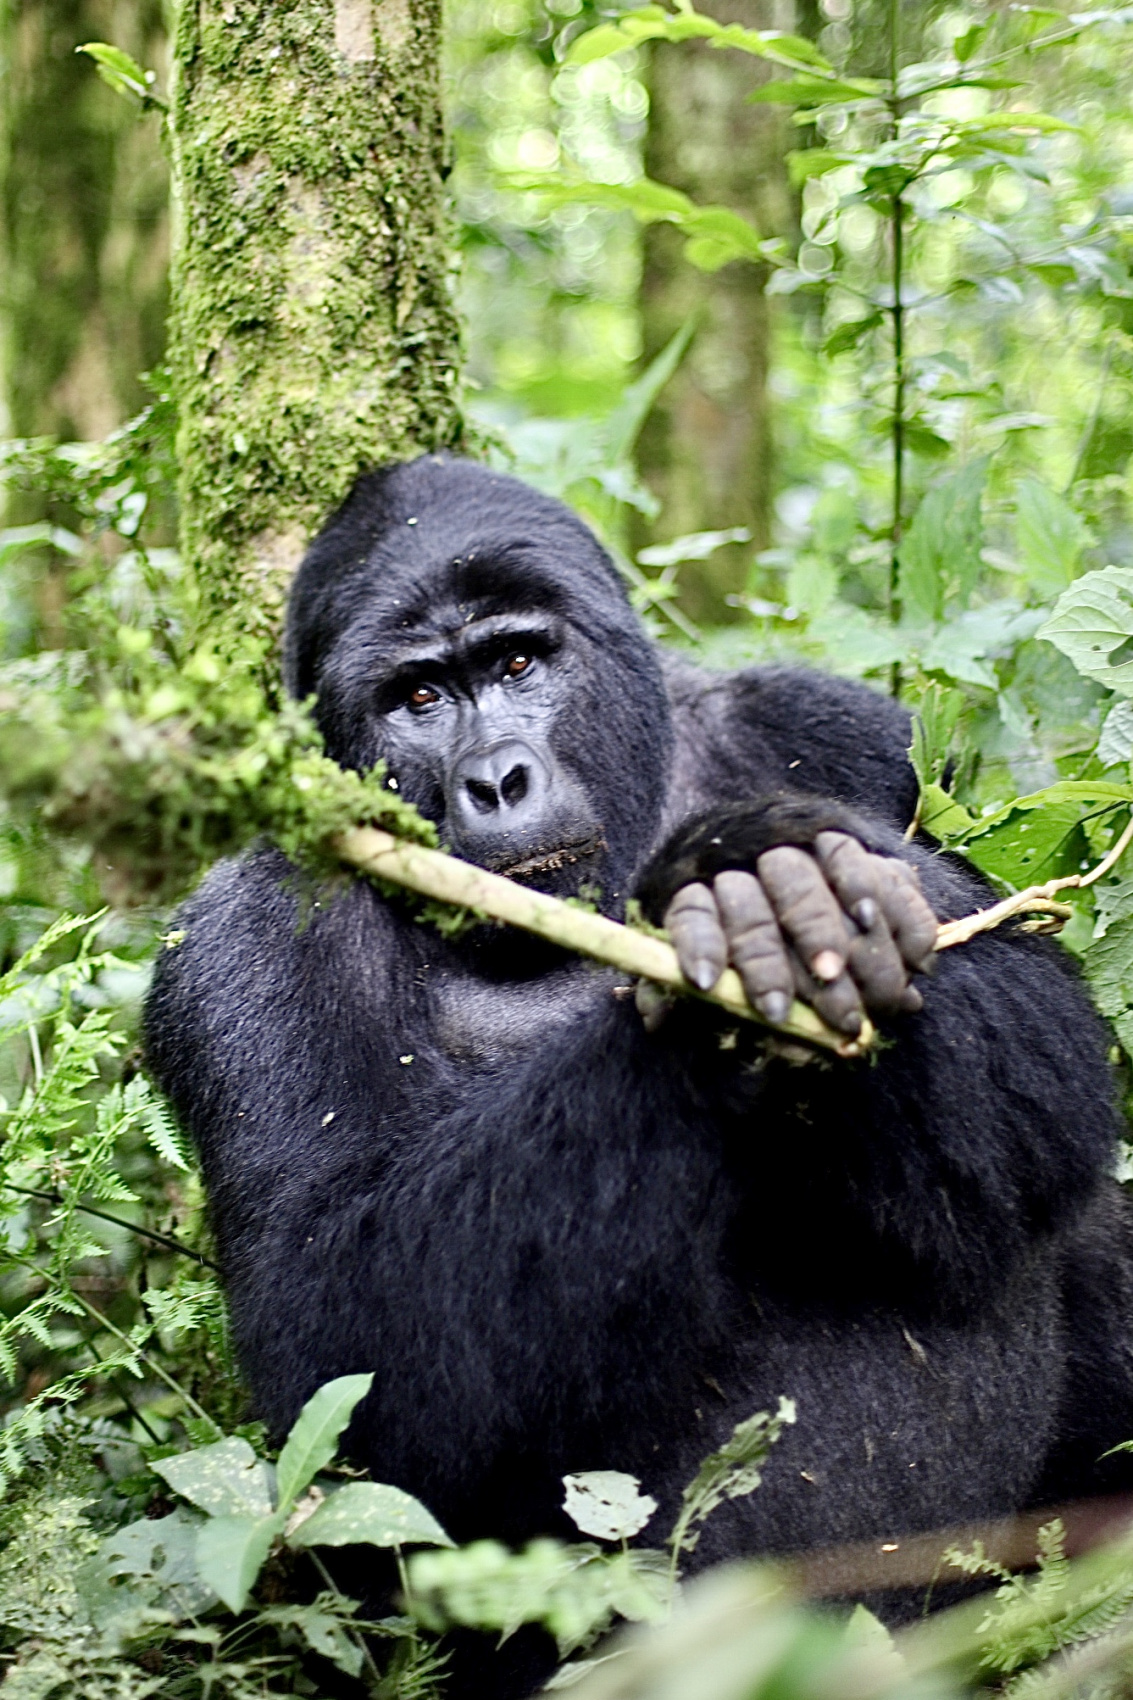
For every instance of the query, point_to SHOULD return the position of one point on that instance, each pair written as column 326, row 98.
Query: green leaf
column 848, row 335
column 964, row 46
column 1050, row 536
column 1038, row 837
column 1116, row 742
column 729, row 1473
column 370, row 1513
column 695, row 546
column 161, row 1552
column 326, row 1631
column 607, row 1504
column 162, row 1134
column 123, row 74
column 226, row 1479
column 313, row 1440
column 806, row 163
column 574, row 1590
column 940, row 555
column 230, row 1554
column 812, row 91
column 942, row 816
column 1092, row 624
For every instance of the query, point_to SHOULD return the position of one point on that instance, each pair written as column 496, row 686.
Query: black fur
column 564, row 1243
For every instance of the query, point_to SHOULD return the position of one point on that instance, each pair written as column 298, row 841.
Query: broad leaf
column 372, row 1513
column 1092, row 623
column 940, row 555
column 1038, row 837
column 804, row 90
column 607, row 1504
column 313, row 1440
column 230, row 1554
column 226, row 1480
column 1050, row 536
column 1116, row 742
column 160, row 1553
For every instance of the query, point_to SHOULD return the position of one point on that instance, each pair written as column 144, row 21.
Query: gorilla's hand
column 840, row 928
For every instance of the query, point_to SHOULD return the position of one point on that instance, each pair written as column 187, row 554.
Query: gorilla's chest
column 486, row 1021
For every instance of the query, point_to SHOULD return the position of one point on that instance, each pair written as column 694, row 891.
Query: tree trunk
column 85, row 221
column 314, row 333
column 706, row 451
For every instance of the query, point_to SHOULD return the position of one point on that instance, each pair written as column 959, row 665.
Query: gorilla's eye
column 422, row 696
column 517, row 665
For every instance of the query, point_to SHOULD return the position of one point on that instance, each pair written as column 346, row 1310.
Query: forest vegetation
column 821, row 315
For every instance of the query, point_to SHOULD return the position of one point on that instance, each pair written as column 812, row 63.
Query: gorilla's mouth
column 550, row 861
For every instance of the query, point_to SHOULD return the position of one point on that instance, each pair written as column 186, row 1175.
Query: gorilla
column 565, row 1237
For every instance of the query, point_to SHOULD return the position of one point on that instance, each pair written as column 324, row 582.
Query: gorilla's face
column 472, row 634
column 468, row 716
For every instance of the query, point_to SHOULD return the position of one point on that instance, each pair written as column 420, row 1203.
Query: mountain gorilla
column 567, row 1238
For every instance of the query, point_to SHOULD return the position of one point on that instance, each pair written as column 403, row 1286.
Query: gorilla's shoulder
column 795, row 728
column 256, row 918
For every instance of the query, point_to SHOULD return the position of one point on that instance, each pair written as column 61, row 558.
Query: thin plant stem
column 339, row 1595
column 134, row 1410
column 150, row 1363
column 166, row 1240
column 897, row 313
column 36, row 1054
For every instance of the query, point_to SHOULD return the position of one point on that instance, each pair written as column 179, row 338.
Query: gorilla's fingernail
column 775, row 1006
column 911, row 1001
column 865, row 913
column 703, row 974
column 851, row 1022
column 827, row 965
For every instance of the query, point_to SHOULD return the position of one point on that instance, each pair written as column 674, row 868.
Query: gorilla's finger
column 837, row 1001
column 852, row 872
column 693, row 923
column 877, row 967
column 806, row 909
column 755, row 944
column 911, row 920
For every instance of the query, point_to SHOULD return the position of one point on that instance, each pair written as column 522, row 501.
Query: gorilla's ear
column 316, row 606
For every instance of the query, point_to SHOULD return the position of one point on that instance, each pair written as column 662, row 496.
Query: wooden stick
column 435, row 874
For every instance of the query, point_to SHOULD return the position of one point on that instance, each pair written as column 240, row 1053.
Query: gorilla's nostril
column 483, row 795
column 513, row 789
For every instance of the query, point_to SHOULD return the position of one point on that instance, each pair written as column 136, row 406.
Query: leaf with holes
column 226, row 1480
column 370, row 1513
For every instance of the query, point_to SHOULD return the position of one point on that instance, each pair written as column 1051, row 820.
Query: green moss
column 314, row 328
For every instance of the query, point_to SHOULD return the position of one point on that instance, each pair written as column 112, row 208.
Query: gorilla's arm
column 513, row 1252
column 982, row 1124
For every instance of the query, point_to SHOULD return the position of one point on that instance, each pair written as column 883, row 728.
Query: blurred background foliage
column 829, row 334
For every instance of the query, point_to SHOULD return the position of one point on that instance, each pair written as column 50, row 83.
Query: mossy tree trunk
column 85, row 220
column 314, row 332
column 706, row 451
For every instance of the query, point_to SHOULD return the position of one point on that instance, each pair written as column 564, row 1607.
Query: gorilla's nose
column 497, row 787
